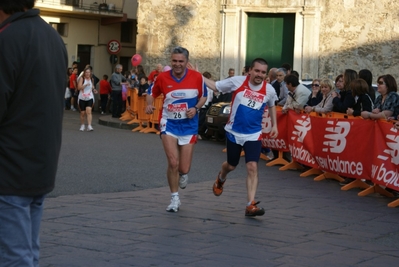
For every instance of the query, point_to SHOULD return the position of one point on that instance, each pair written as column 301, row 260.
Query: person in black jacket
column 344, row 99
column 360, row 91
column 31, row 112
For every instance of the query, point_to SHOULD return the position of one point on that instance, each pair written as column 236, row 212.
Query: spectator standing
column 31, row 113
column 117, row 79
column 339, row 83
column 325, row 105
column 344, row 99
column 360, row 91
column 155, row 72
column 140, row 72
column 366, row 75
column 387, row 103
column 72, row 87
column 105, row 93
column 316, row 96
column 298, row 94
column 283, row 95
column 230, row 73
column 273, row 80
column 143, row 86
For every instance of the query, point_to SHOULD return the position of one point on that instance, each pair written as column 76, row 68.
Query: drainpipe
column 222, row 55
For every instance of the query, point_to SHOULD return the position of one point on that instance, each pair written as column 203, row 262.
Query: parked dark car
column 217, row 117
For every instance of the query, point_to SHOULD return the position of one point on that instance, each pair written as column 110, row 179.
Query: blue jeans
column 19, row 230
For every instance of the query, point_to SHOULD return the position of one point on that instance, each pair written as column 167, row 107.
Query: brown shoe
column 218, row 186
column 253, row 210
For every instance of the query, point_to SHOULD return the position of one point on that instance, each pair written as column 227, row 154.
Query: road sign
column 114, row 47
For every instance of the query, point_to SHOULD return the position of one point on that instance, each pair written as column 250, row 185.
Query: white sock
column 175, row 194
column 220, row 178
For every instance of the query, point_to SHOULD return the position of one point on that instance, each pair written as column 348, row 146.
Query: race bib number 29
column 177, row 111
column 252, row 99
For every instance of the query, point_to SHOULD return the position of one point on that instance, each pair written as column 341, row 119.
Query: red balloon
column 136, row 60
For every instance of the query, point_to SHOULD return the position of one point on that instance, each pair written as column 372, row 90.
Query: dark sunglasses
column 315, row 85
column 380, row 82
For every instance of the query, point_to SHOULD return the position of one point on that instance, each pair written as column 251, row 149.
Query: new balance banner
column 280, row 143
column 385, row 159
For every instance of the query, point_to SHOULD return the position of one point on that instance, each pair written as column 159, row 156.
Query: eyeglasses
column 315, row 85
column 380, row 82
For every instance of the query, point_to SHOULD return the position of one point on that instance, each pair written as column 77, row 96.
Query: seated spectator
column 316, row 96
column 344, row 99
column 325, row 105
column 298, row 94
column 360, row 91
column 387, row 103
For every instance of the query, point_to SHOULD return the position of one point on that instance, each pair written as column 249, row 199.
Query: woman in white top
column 86, row 99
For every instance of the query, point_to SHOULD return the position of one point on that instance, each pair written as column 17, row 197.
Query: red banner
column 300, row 138
column 280, row 142
column 344, row 147
column 385, row 159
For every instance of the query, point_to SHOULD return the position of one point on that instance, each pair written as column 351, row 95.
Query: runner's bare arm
column 273, row 117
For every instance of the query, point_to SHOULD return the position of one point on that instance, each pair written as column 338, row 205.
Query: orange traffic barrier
column 128, row 114
column 154, row 117
column 142, row 116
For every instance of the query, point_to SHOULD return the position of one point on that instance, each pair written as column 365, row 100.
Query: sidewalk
column 306, row 223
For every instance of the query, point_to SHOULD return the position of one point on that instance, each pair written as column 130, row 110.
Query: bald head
column 272, row 74
column 159, row 67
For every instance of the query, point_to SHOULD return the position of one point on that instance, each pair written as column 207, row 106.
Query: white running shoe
column 183, row 181
column 82, row 128
column 89, row 128
column 174, row 204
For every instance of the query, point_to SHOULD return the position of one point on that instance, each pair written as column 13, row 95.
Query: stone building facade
column 329, row 35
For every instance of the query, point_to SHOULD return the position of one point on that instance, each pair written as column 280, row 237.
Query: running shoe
column 174, row 204
column 218, row 186
column 253, row 210
column 183, row 181
column 82, row 128
column 89, row 128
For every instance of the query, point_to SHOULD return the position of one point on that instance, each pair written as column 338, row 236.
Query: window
column 126, row 32
column 61, row 28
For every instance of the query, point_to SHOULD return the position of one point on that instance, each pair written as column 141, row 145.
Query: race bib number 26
column 252, row 99
column 177, row 111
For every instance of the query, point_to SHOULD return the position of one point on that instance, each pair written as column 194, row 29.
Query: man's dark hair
column 291, row 79
column 180, row 50
column 207, row 75
column 286, row 66
column 294, row 72
column 260, row 61
column 13, row 6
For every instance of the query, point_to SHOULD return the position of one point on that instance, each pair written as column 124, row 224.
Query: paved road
column 109, row 210
column 115, row 160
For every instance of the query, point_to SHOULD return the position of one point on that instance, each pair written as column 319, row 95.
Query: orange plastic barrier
column 154, row 117
column 128, row 114
column 142, row 116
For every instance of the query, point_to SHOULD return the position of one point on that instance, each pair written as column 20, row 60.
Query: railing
column 113, row 6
